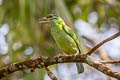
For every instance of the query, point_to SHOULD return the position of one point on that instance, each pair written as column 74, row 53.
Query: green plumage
column 64, row 41
column 65, row 38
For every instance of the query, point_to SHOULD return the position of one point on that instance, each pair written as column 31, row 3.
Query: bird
column 64, row 36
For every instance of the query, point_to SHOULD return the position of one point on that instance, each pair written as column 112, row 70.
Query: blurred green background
column 23, row 38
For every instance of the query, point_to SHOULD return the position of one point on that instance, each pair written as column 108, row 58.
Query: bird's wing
column 72, row 35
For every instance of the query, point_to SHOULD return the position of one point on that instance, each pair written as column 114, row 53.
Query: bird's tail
column 80, row 68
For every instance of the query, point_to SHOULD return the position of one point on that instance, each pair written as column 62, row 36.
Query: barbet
column 64, row 37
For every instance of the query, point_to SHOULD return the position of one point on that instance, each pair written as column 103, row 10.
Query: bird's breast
column 64, row 41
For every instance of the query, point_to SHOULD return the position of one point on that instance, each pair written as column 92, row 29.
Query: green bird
column 64, row 37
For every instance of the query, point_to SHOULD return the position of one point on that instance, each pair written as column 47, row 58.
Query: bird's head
column 49, row 18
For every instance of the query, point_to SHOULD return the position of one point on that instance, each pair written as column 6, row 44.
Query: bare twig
column 101, row 52
column 50, row 74
column 104, row 41
column 99, row 66
column 111, row 62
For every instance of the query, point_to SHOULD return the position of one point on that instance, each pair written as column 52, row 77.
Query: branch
column 44, row 62
column 104, row 41
column 100, row 51
column 39, row 62
column 47, row 61
column 110, row 62
column 99, row 66
column 50, row 74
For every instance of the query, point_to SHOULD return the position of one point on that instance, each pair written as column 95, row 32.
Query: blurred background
column 23, row 38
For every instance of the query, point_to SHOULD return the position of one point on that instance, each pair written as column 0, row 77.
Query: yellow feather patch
column 59, row 23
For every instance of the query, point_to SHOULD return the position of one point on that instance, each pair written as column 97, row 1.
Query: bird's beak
column 44, row 20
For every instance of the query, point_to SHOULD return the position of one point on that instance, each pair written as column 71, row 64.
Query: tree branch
column 47, row 61
column 50, row 74
column 44, row 62
column 100, row 51
column 102, row 42
column 111, row 62
column 39, row 62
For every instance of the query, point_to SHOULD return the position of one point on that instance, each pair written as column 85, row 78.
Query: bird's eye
column 49, row 16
